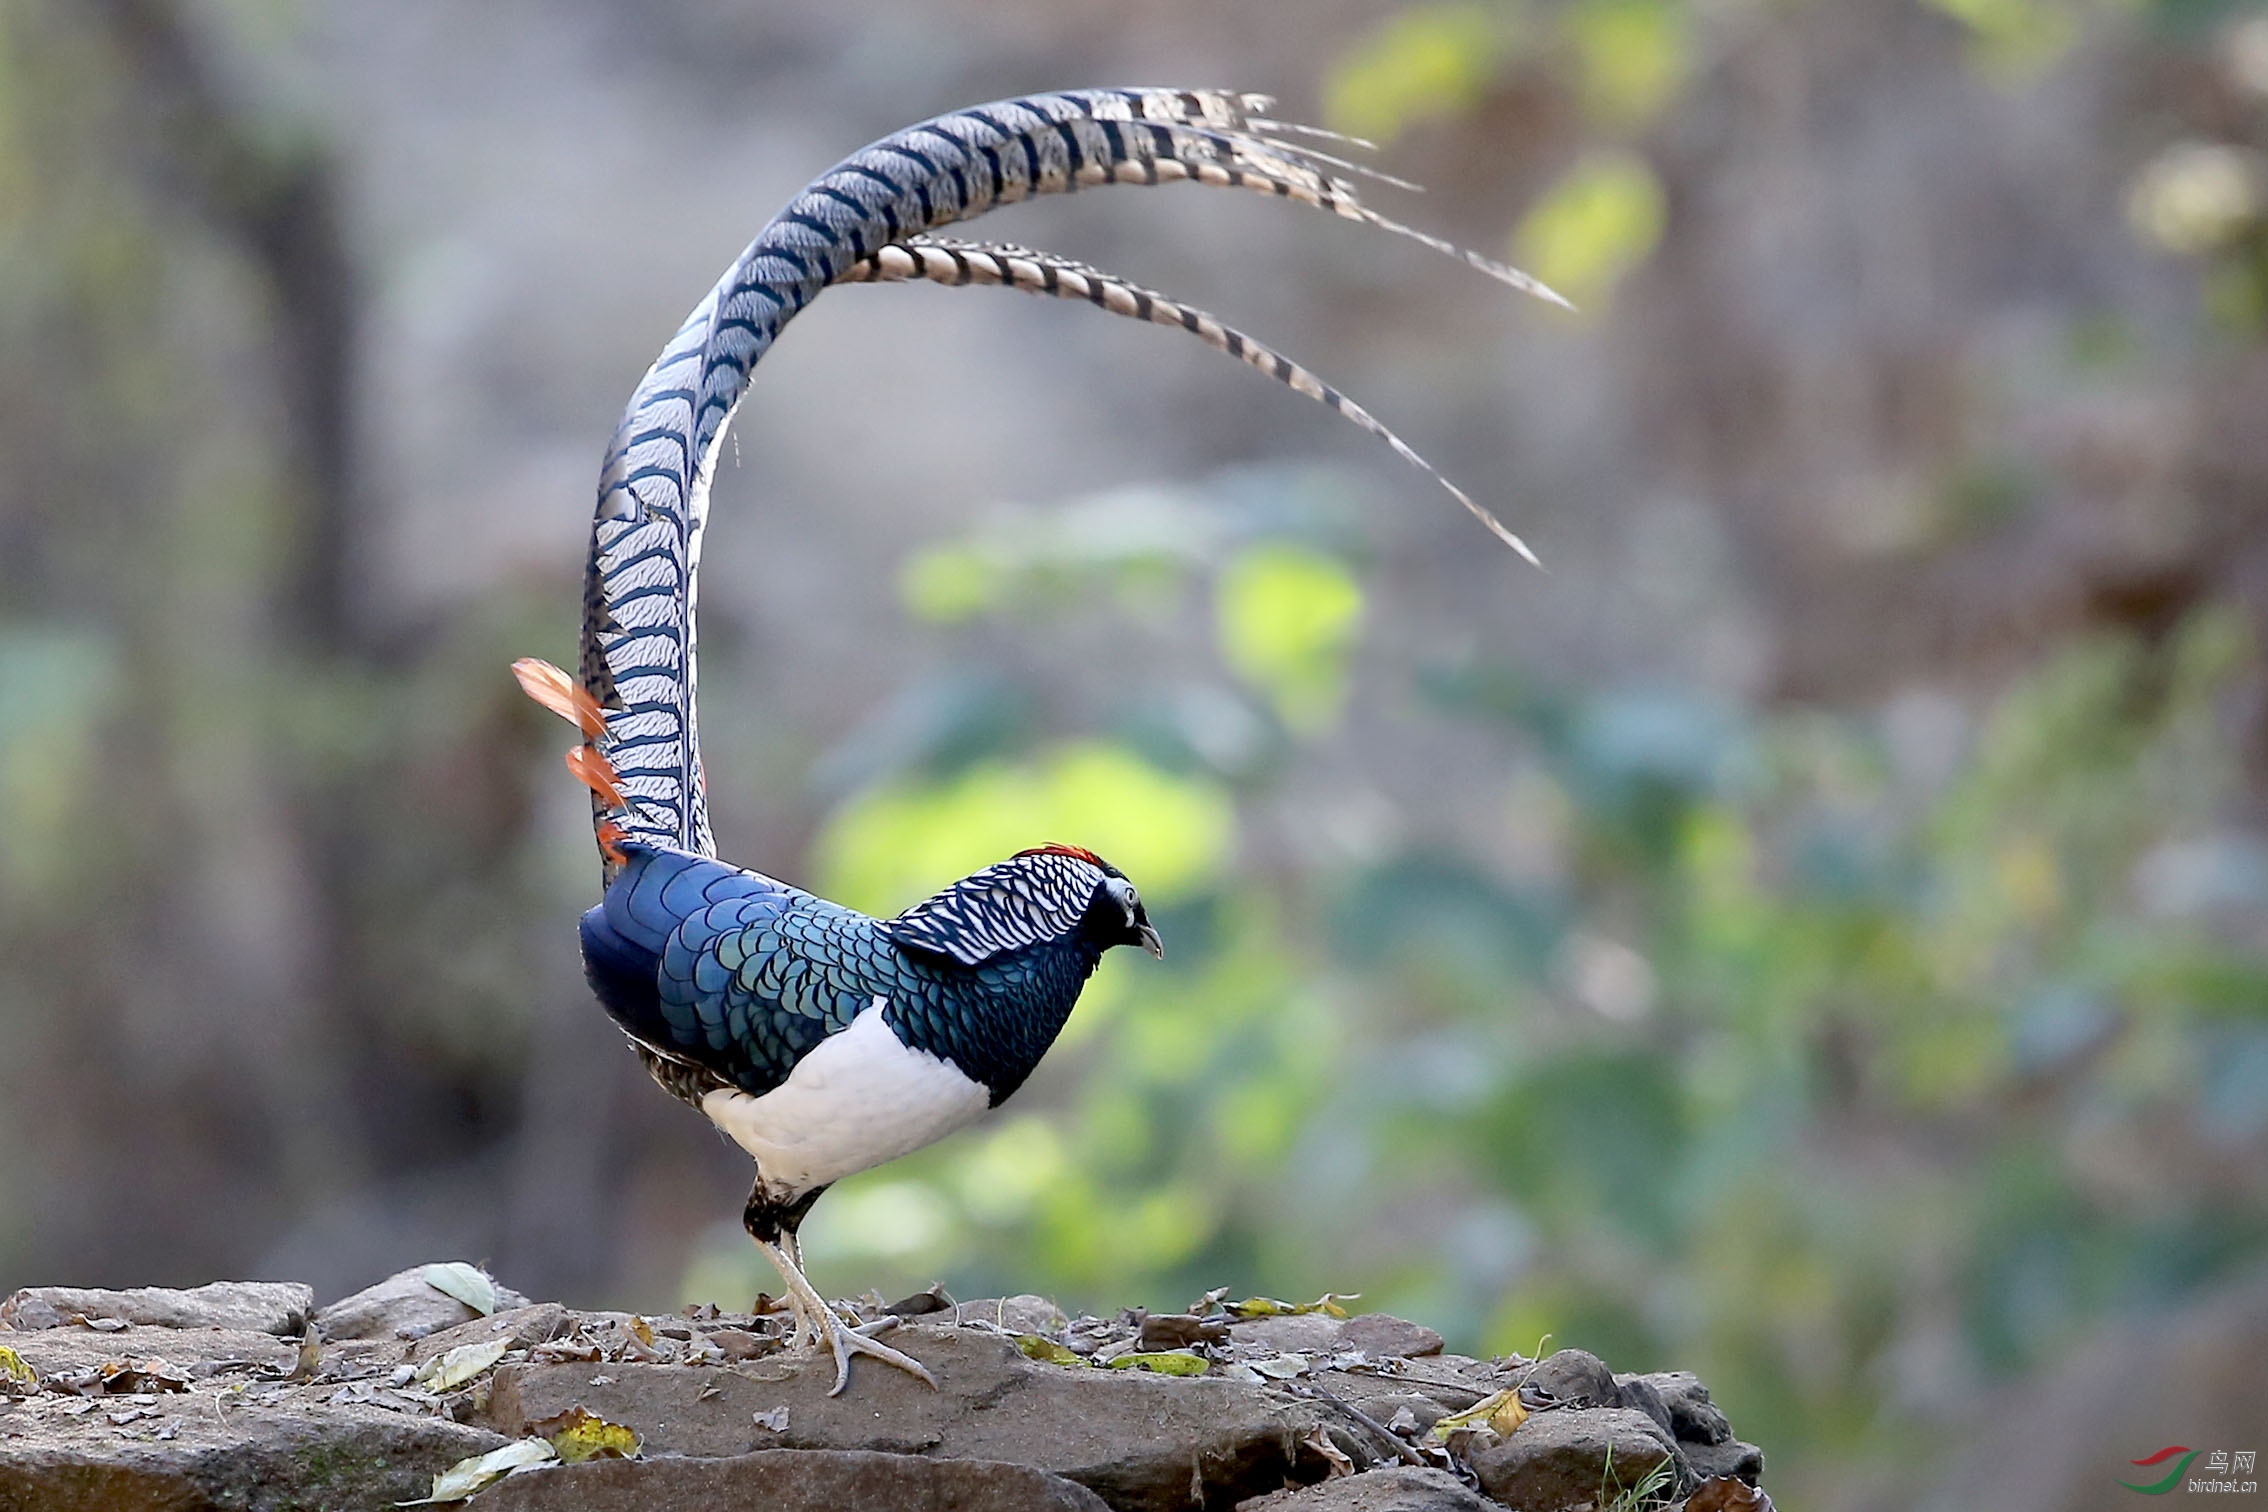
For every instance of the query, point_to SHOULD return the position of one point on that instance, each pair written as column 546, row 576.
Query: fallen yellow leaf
column 1499, row 1413
column 1175, row 1362
column 1047, row 1351
column 577, row 1435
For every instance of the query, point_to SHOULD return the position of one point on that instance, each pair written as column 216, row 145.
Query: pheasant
column 822, row 1041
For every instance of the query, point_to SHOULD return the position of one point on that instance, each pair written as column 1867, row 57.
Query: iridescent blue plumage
column 729, row 973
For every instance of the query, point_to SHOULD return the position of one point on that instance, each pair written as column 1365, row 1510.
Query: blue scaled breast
column 731, row 977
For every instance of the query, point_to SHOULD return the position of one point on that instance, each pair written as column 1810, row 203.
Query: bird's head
column 1050, row 893
column 1115, row 913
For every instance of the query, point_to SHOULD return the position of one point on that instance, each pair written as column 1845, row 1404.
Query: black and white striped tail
column 958, row 264
column 864, row 220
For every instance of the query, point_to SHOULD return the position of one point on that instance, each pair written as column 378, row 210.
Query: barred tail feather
column 638, row 662
column 957, row 264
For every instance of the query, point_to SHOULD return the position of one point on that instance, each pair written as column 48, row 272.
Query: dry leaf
column 1331, row 1304
column 1174, row 1362
column 459, row 1365
column 467, row 1476
column 118, row 1376
column 558, row 1351
column 1281, row 1367
column 577, row 1435
column 469, row 1284
column 1500, row 1414
column 14, row 1373
column 1047, row 1351
column 1320, row 1442
column 921, row 1304
column 1723, row 1493
column 1180, row 1330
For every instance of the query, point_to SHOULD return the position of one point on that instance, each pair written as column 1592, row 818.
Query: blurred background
column 1816, row 934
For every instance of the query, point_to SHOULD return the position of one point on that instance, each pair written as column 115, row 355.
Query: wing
column 728, row 971
column 1023, row 901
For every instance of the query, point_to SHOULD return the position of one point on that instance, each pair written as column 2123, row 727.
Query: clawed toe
column 814, row 1317
column 848, row 1341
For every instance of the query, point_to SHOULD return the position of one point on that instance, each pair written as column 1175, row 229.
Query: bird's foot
column 847, row 1341
column 813, row 1314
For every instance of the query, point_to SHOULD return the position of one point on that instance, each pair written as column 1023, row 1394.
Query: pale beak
column 1150, row 941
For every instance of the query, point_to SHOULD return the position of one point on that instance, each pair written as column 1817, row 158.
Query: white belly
column 859, row 1098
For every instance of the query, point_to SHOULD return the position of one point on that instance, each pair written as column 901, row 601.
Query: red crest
column 1053, row 848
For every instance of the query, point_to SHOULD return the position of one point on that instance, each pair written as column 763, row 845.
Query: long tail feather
column 639, row 664
column 956, row 263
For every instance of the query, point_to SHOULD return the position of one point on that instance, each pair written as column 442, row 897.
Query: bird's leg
column 844, row 1340
column 807, row 1328
column 772, row 1219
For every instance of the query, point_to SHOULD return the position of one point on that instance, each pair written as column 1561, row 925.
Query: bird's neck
column 1012, row 1008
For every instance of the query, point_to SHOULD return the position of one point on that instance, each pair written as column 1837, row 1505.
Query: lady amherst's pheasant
column 823, row 1041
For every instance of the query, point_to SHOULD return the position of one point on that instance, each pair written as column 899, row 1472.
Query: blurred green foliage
column 1593, row 226
column 2015, row 40
column 1430, row 62
column 1288, row 618
column 886, row 848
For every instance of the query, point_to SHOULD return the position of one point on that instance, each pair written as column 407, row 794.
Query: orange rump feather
column 561, row 694
column 596, row 773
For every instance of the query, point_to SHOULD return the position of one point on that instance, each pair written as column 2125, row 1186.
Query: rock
column 1019, row 1315
column 790, row 1480
column 271, row 1307
column 1570, row 1378
column 1732, row 1459
column 1693, row 1418
column 58, row 1351
column 1137, row 1439
column 1455, row 1381
column 1383, row 1405
column 144, row 1418
column 403, row 1306
column 1382, row 1337
column 1560, row 1459
column 1639, row 1395
column 520, row 1327
column 253, row 1459
column 1396, row 1488
column 1291, row 1333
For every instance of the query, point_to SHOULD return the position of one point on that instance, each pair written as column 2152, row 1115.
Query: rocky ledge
column 440, row 1386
